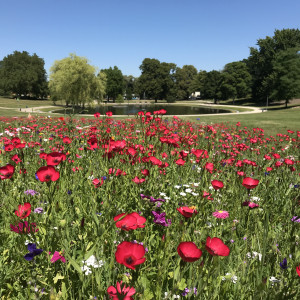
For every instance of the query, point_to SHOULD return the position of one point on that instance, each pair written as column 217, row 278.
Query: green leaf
column 182, row 284
column 57, row 277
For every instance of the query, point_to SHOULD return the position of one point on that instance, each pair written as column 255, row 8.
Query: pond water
column 129, row 109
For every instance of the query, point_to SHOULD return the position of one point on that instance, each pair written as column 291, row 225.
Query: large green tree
column 286, row 75
column 262, row 58
column 184, row 77
column 129, row 86
column 115, row 82
column 157, row 79
column 74, row 80
column 23, row 74
column 236, row 81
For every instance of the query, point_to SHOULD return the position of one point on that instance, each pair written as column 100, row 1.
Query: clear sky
column 207, row 34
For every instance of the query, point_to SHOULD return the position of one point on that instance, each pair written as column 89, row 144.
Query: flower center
column 129, row 260
column 220, row 211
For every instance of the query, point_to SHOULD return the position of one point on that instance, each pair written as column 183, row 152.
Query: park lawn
column 273, row 122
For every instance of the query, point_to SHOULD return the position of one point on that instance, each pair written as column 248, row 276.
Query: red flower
column 215, row 246
column 96, row 182
column 187, row 211
column 137, row 180
column 298, row 270
column 47, row 173
column 130, row 222
column 67, row 140
column 217, row 185
column 7, row 171
column 16, row 158
column 130, row 254
column 24, row 228
column 109, row 113
column 23, row 210
column 97, row 115
column 188, row 251
column 250, row 183
column 209, row 167
column 180, row 162
column 55, row 158
column 124, row 293
column 9, row 147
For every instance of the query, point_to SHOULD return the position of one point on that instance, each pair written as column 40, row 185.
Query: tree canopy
column 74, row 80
column 114, row 83
column 23, row 74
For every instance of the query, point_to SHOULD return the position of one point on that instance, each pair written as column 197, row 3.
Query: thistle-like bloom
column 24, row 228
column 32, row 251
column 221, row 214
column 161, row 219
column 23, row 210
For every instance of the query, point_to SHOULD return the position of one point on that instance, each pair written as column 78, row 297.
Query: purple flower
column 283, row 264
column 31, row 192
column 296, row 219
column 32, row 251
column 39, row 210
column 152, row 199
column 185, row 292
column 160, row 219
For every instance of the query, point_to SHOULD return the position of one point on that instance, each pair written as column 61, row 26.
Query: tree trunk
column 155, row 100
column 286, row 103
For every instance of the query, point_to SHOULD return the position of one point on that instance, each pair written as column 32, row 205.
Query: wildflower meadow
column 147, row 208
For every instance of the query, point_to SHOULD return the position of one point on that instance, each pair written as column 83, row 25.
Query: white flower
column 186, row 185
column 254, row 199
column 182, row 194
column 86, row 270
column 254, row 254
column 195, row 194
column 177, row 187
column 162, row 194
column 273, row 279
column 188, row 190
column 196, row 183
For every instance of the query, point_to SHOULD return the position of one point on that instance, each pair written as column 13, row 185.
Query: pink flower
column 57, row 256
column 24, row 228
column 221, row 214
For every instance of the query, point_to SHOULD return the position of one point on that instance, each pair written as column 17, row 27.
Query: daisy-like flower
column 221, row 214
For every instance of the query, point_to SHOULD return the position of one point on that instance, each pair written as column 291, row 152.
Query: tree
column 157, row 79
column 184, row 77
column 212, row 85
column 129, row 86
column 261, row 59
column 23, row 74
column 236, row 81
column 74, row 80
column 114, row 83
column 286, row 75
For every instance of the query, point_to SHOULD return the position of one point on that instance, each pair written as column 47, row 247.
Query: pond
column 132, row 109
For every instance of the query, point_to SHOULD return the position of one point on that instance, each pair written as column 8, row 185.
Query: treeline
column 271, row 72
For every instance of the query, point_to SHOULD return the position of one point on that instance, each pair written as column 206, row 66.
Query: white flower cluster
column 228, row 276
column 254, row 254
column 91, row 262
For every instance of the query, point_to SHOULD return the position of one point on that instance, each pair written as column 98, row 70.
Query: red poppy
column 215, row 246
column 217, row 185
column 298, row 270
column 180, row 162
column 9, row 147
column 130, row 254
column 7, row 171
column 188, row 251
column 55, row 158
column 130, row 222
column 47, row 173
column 121, row 292
column 109, row 113
column 250, row 183
column 23, row 210
column 187, row 211
column 138, row 180
column 16, row 158
column 97, row 115
column 97, row 183
column 209, row 167
column 67, row 140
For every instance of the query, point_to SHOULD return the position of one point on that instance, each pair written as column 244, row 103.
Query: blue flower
column 32, row 251
column 283, row 264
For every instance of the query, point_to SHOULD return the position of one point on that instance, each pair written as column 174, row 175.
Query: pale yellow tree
column 74, row 80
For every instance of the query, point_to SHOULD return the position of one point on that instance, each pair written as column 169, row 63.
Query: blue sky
column 207, row 34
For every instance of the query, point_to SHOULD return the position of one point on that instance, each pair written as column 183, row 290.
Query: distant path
column 252, row 110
